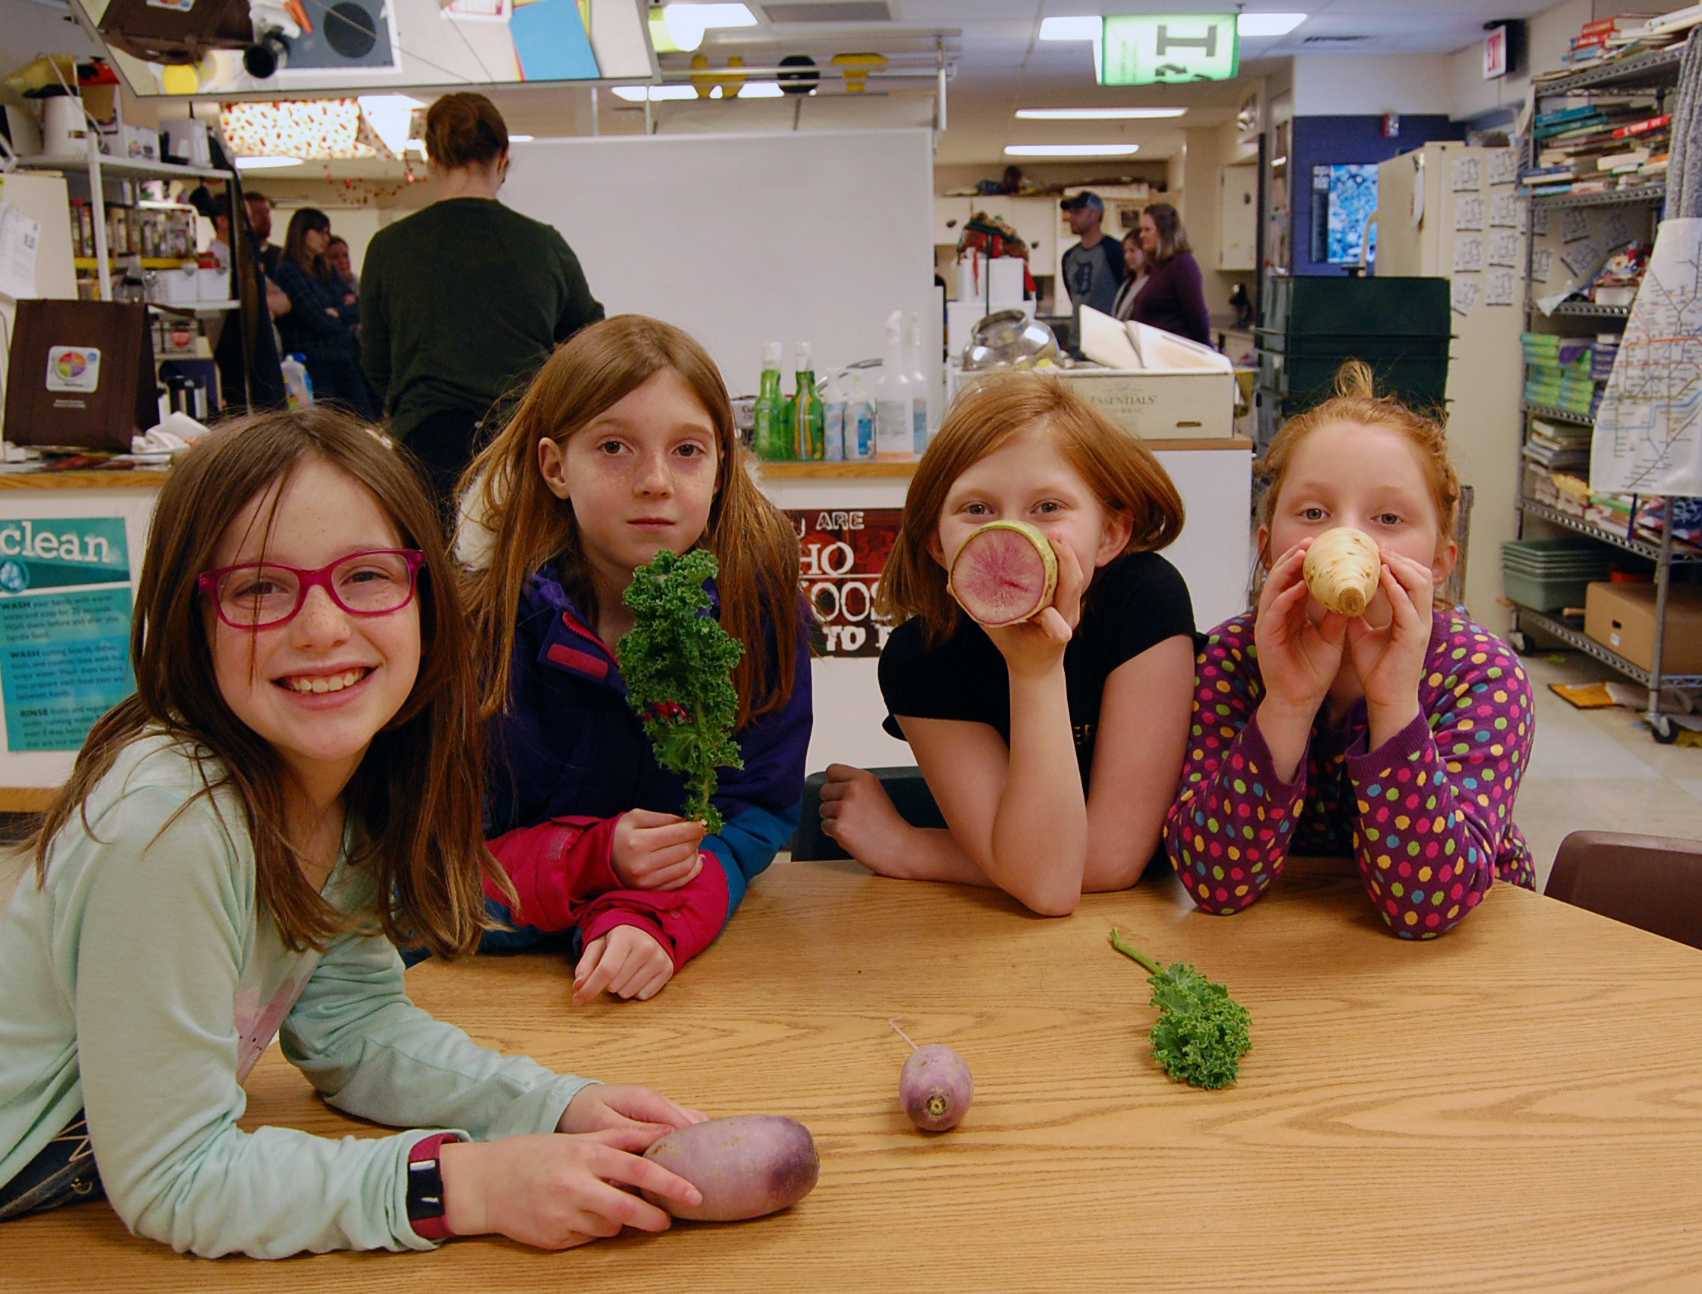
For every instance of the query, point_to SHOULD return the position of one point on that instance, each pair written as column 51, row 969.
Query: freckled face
column 640, row 477
column 1028, row 479
column 1367, row 477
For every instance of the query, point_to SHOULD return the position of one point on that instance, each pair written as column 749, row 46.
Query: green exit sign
column 1147, row 50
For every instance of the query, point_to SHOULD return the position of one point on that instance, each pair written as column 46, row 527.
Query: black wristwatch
column 425, row 1187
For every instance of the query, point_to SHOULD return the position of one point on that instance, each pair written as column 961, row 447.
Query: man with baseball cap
column 1093, row 268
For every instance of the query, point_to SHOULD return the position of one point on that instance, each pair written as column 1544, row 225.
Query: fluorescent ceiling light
column 655, row 93
column 686, row 23
column 1088, row 28
column 1095, row 114
column 1268, row 24
column 1070, row 150
column 265, row 163
column 389, row 115
column 520, row 139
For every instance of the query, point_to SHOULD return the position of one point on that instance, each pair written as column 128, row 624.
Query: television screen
column 247, row 48
column 1345, row 197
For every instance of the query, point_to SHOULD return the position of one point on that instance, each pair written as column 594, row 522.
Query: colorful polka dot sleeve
column 1427, row 817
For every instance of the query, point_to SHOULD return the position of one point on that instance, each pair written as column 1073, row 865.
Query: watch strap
column 426, row 1207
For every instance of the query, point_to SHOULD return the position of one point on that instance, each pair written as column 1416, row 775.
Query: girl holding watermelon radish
column 1052, row 735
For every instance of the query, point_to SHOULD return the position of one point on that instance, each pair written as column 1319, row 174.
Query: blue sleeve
column 760, row 802
column 307, row 302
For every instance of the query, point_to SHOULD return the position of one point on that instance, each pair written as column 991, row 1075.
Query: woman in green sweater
column 462, row 302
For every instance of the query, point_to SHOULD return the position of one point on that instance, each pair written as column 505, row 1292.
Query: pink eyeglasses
column 263, row 595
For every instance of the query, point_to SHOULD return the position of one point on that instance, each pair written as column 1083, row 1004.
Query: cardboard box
column 1622, row 618
column 1157, row 405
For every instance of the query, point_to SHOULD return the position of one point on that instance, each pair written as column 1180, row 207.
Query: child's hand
column 626, row 962
column 1037, row 644
column 1390, row 659
column 598, row 1106
column 656, row 851
column 1298, row 659
column 553, row 1191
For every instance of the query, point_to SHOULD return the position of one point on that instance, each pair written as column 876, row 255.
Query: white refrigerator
column 1452, row 211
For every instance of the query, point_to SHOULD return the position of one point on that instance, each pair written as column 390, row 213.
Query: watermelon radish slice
column 1004, row 573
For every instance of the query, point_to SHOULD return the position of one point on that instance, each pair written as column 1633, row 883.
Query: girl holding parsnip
column 624, row 447
column 288, row 792
column 1349, row 713
column 1041, row 670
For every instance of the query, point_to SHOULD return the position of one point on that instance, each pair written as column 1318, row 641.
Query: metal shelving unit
column 1655, row 73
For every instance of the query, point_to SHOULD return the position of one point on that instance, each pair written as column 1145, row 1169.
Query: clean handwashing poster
column 65, row 605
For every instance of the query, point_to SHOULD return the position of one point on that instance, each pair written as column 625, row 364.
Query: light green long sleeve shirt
column 140, row 984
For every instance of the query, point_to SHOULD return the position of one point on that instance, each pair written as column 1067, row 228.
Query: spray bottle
column 895, row 418
column 922, row 413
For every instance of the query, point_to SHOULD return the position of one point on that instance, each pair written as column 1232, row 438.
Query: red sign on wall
column 843, row 552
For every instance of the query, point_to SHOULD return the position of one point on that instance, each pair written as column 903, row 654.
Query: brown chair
column 1652, row 882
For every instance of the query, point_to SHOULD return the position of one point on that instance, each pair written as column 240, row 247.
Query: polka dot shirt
column 1427, row 817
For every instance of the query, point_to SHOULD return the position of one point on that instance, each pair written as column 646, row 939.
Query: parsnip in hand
column 1342, row 569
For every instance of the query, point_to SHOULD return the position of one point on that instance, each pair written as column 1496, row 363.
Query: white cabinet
column 1238, row 218
column 1034, row 219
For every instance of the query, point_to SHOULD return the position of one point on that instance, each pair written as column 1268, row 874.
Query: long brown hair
column 1167, row 224
column 505, row 492
column 415, row 799
column 305, row 221
column 1118, row 468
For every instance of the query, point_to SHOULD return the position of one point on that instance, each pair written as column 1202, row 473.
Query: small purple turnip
column 935, row 1086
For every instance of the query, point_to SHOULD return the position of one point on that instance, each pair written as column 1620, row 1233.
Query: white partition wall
column 746, row 239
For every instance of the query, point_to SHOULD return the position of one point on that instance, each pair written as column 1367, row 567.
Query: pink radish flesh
column 999, row 578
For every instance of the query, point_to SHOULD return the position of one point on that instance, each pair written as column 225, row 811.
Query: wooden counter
column 1516, row 1106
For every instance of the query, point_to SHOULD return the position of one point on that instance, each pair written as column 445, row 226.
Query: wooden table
column 1517, row 1106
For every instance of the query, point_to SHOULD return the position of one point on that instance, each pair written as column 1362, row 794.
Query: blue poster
column 64, row 645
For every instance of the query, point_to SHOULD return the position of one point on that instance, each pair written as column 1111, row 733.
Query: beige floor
column 1600, row 769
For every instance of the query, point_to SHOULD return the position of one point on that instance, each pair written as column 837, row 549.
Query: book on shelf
column 1616, row 22
column 1643, row 127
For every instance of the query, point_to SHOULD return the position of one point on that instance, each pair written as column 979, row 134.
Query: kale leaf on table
column 1201, row 1032
column 678, row 662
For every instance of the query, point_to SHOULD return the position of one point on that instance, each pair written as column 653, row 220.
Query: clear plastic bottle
column 859, row 420
column 767, row 436
column 808, row 416
column 920, row 412
column 895, row 419
column 298, row 386
column 834, row 406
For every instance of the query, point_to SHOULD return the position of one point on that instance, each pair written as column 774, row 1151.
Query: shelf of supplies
column 1559, row 415
column 1588, row 645
column 128, row 166
column 1610, row 198
column 148, row 262
column 1642, row 547
column 1654, row 70
column 194, row 307
column 1587, row 310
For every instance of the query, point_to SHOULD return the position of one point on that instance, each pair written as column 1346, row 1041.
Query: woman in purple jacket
column 1174, row 297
